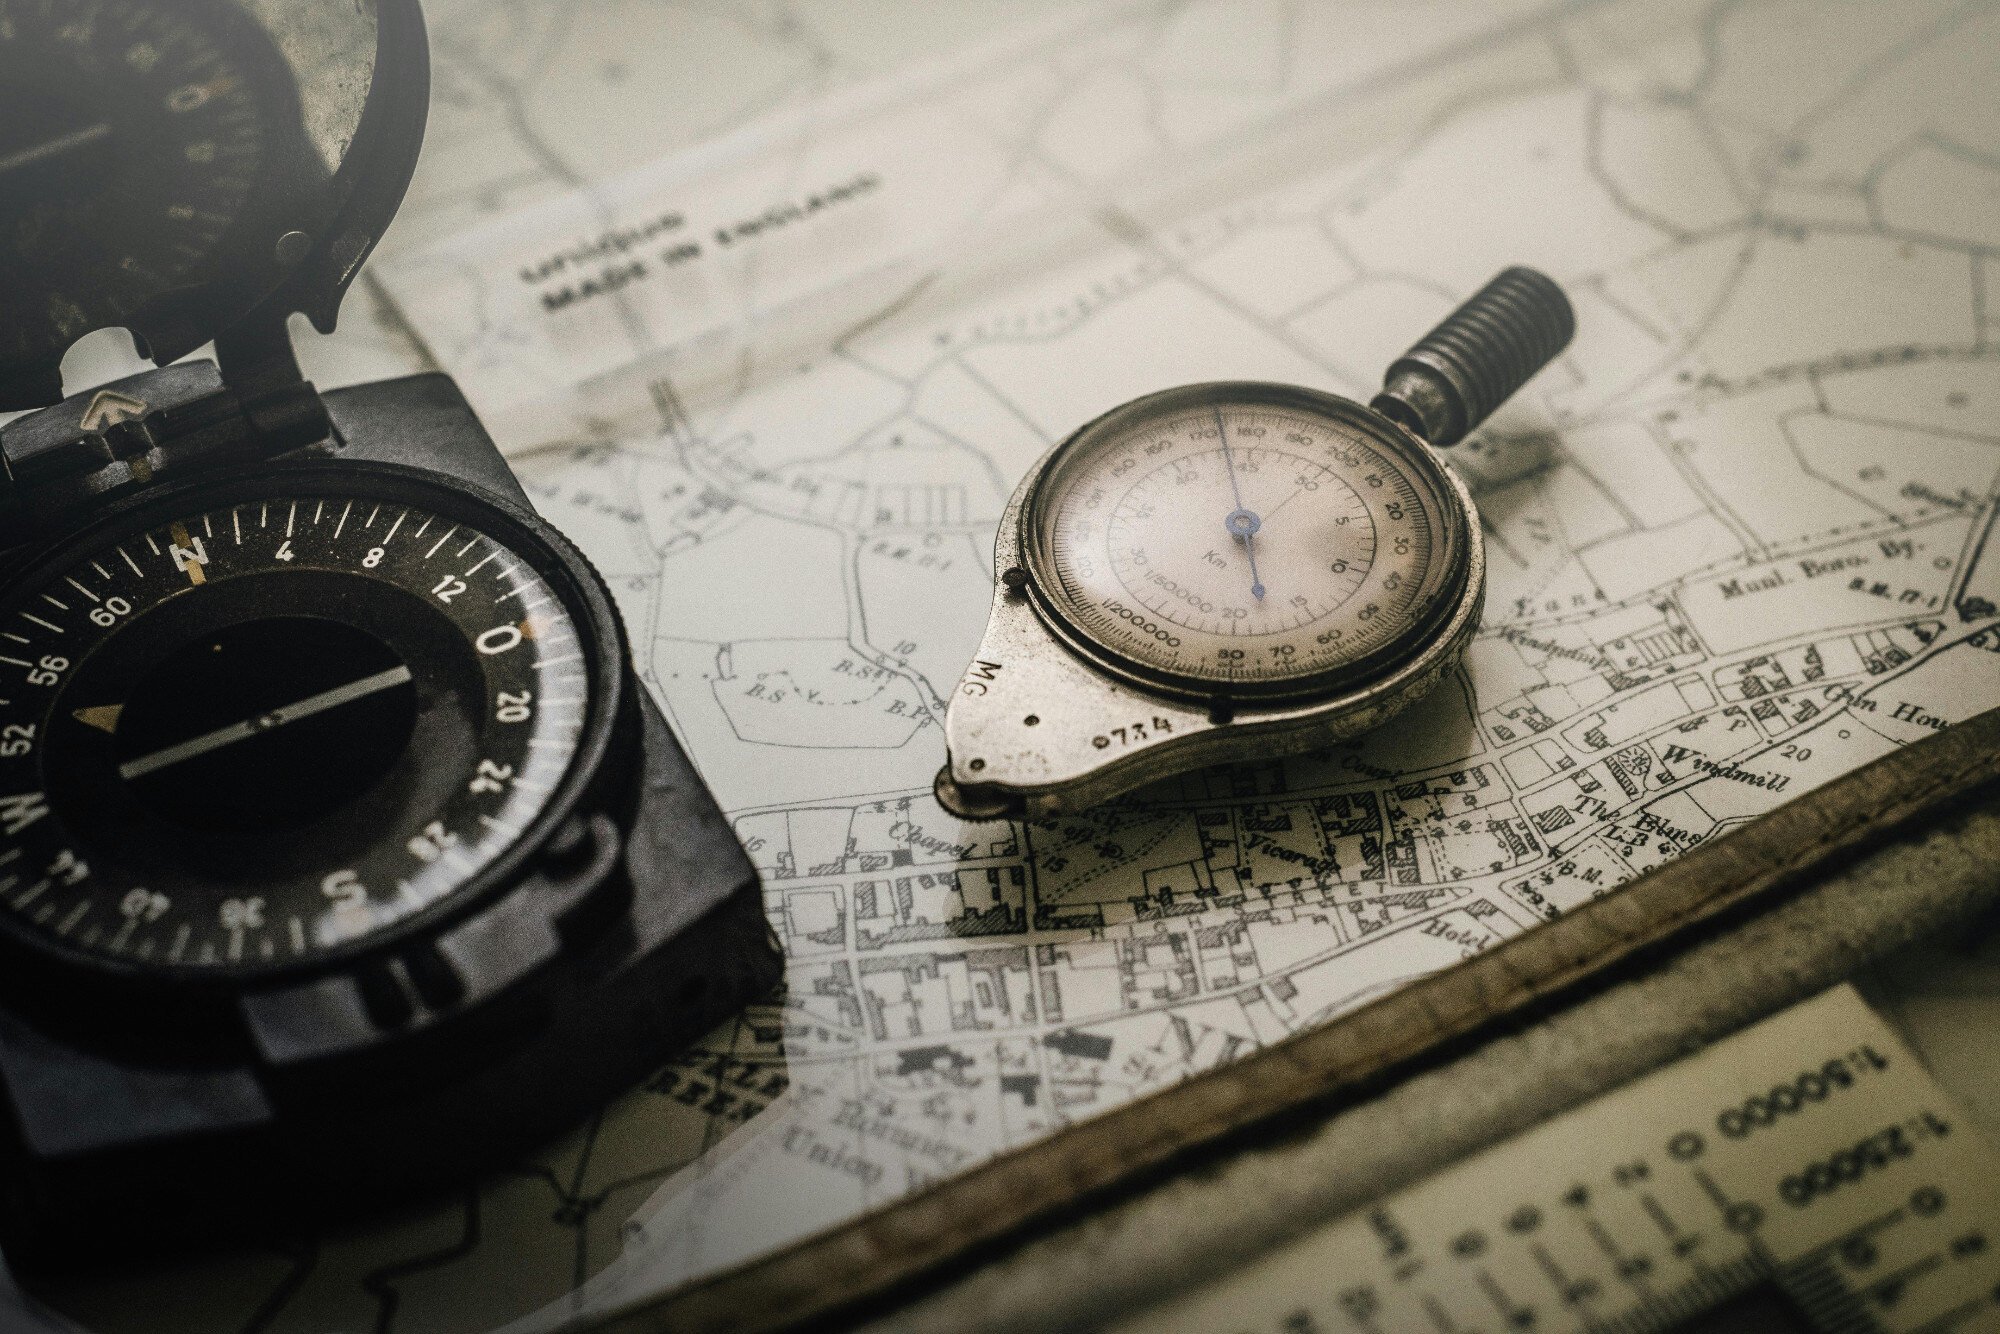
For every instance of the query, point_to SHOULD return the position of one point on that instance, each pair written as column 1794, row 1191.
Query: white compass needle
column 1240, row 523
column 263, row 722
column 56, row 147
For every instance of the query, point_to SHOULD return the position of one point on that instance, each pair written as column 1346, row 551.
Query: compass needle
column 1240, row 523
column 261, row 723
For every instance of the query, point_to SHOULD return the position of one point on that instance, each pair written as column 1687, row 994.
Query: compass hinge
column 279, row 405
column 112, row 439
column 287, row 419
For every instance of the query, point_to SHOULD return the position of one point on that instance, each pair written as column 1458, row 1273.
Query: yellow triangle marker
column 104, row 717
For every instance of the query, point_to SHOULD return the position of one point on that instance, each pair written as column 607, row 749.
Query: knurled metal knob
column 1459, row 372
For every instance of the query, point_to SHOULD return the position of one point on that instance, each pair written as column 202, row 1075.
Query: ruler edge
column 1757, row 1258
column 908, row 1242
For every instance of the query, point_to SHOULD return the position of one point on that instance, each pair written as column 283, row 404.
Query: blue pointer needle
column 1239, row 522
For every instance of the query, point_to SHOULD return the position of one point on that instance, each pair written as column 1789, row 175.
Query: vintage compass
column 1227, row 571
column 340, row 848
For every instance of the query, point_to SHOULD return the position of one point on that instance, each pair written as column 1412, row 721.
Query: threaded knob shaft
column 1456, row 374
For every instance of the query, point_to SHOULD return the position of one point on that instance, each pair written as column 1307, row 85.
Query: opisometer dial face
column 1242, row 542
column 249, row 735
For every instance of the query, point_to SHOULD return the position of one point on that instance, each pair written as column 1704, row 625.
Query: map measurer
column 341, row 850
column 1234, row 570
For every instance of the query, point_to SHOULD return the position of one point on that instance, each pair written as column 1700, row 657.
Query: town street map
column 780, row 384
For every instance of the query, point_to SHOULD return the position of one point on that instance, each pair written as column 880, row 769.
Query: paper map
column 1740, row 536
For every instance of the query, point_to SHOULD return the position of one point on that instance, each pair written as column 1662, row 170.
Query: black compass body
column 341, row 851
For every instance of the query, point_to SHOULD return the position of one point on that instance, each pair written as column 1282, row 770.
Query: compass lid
column 185, row 168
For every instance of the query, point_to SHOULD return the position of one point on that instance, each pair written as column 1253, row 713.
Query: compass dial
column 1234, row 539
column 254, row 734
